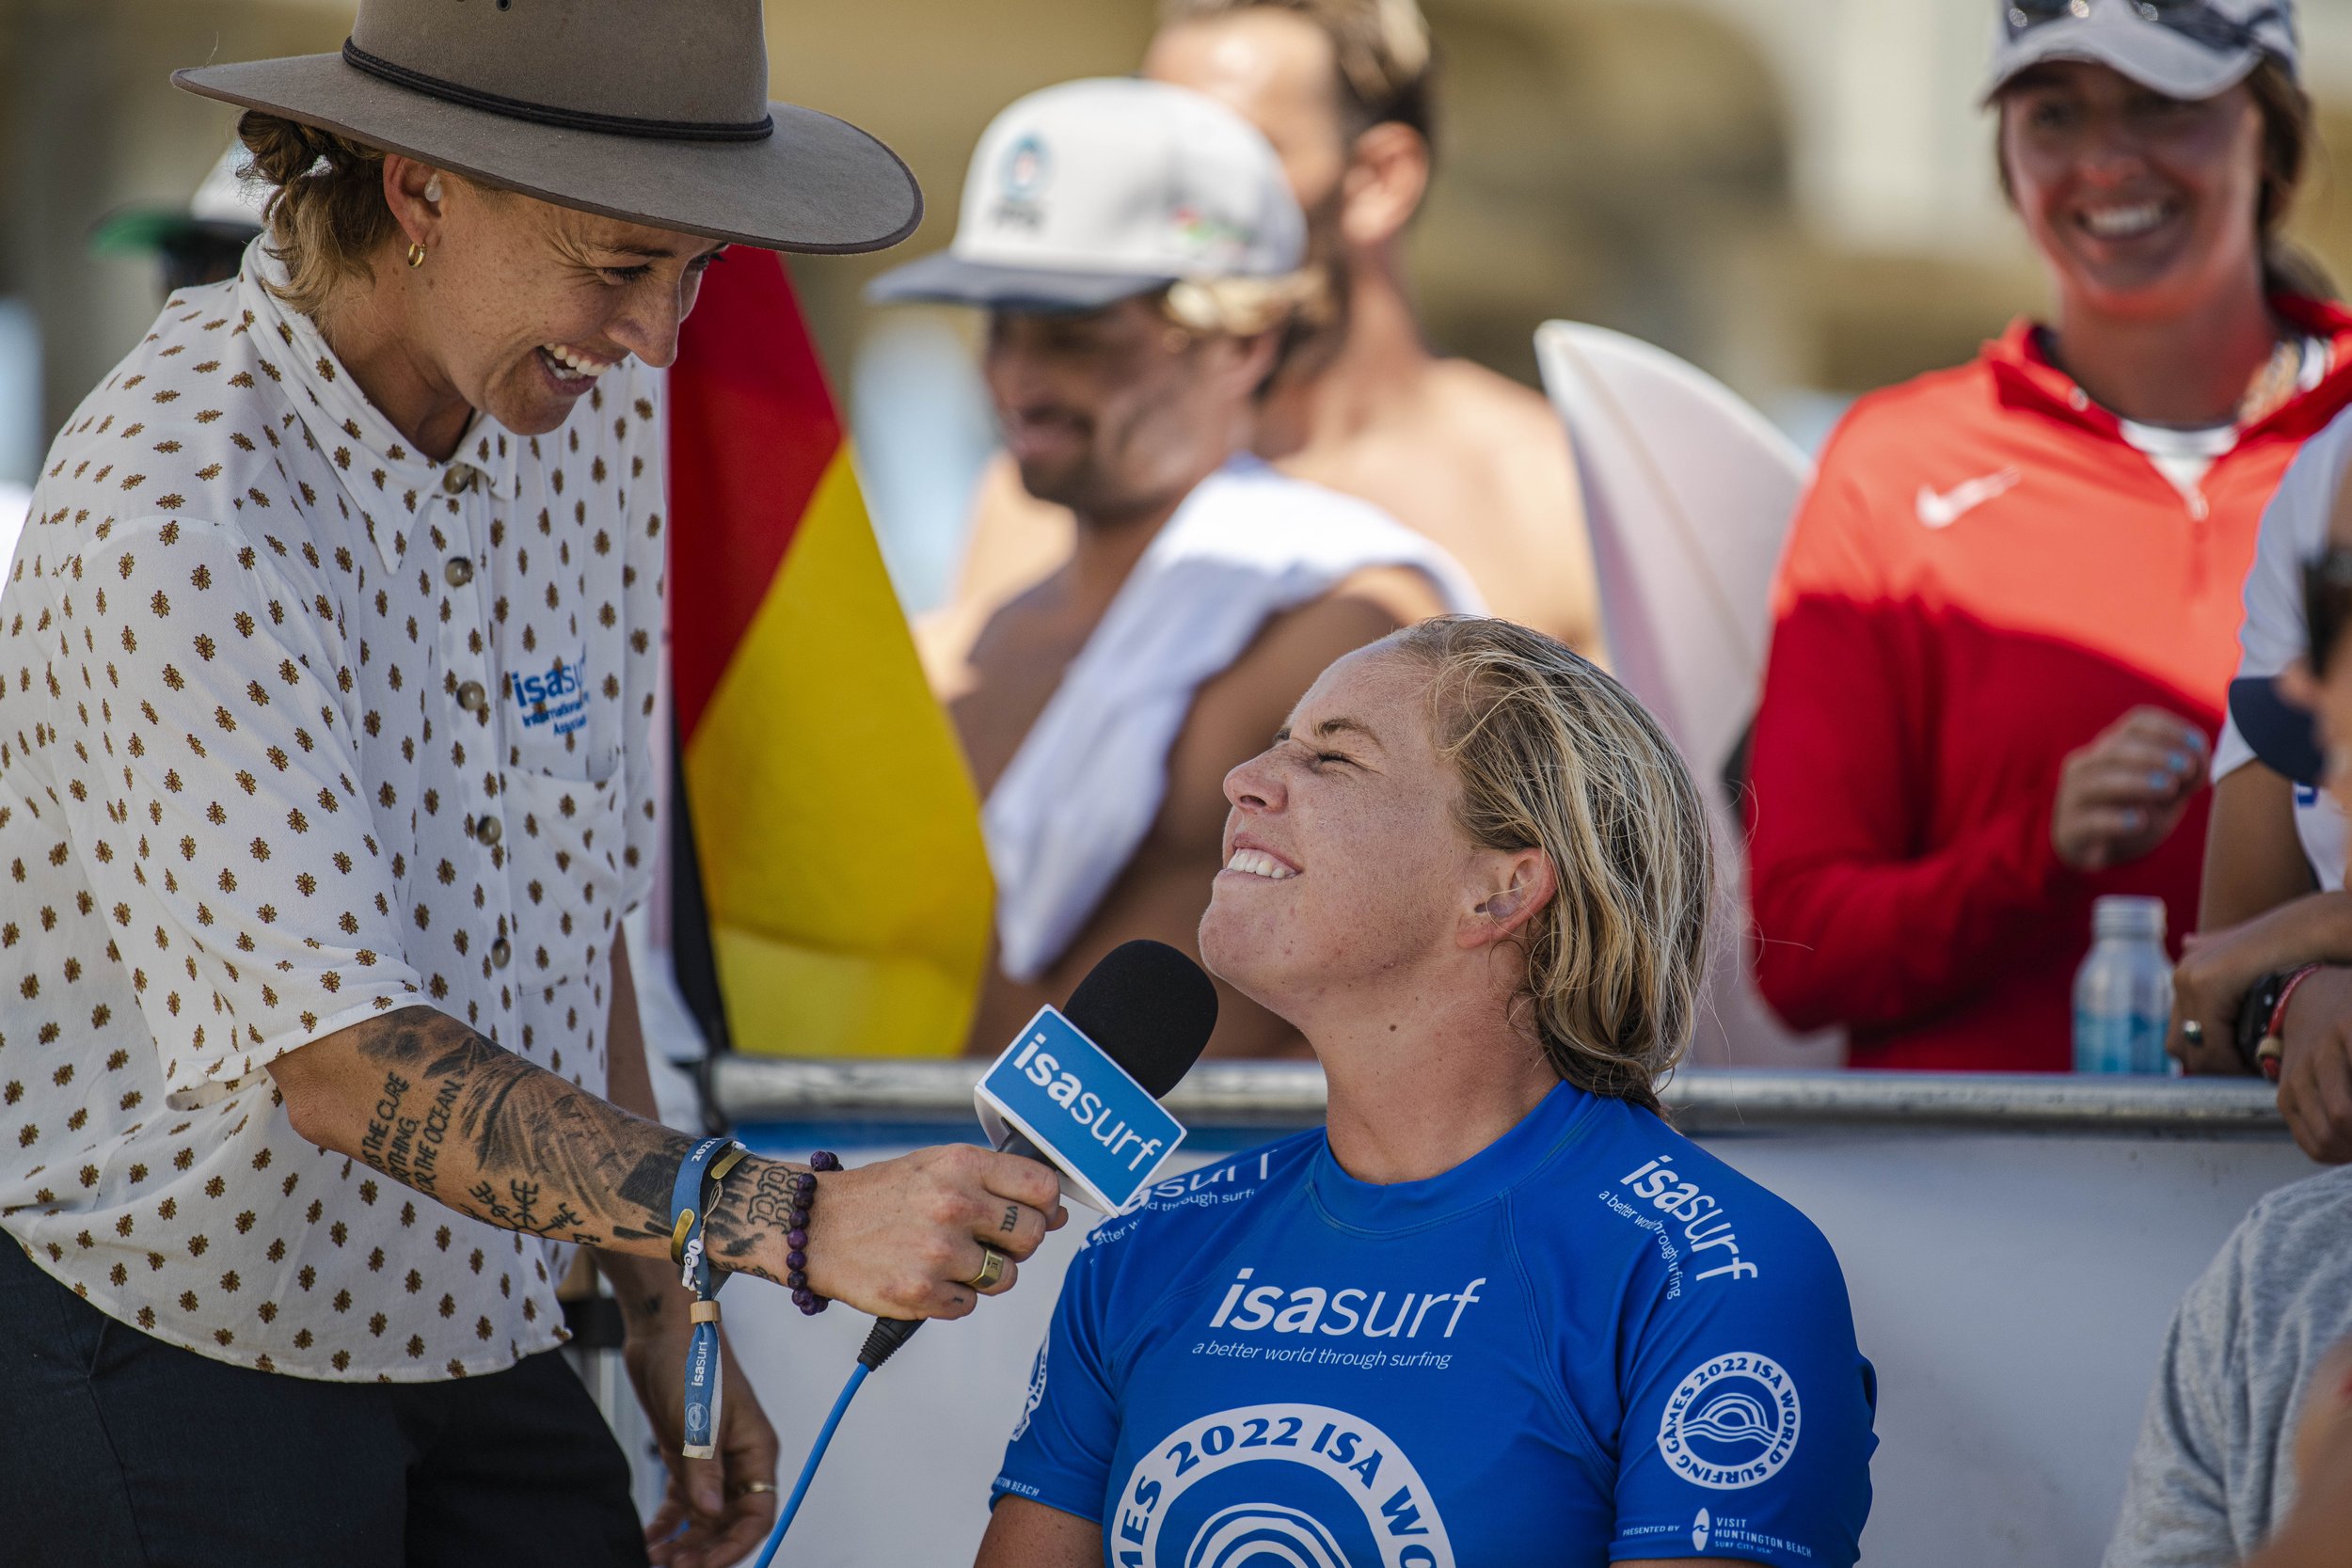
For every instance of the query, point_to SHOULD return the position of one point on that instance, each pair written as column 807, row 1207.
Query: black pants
column 117, row 1450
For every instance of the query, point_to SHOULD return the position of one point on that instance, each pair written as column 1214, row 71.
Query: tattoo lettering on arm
column 754, row 1206
column 524, row 1149
column 408, row 1147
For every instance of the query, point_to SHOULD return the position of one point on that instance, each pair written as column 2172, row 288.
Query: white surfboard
column 1688, row 492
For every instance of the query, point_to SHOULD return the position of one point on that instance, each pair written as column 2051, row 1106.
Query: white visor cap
column 1093, row 191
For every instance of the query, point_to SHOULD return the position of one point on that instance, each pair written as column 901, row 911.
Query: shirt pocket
column 567, row 834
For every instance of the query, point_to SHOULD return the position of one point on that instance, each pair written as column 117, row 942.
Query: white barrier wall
column 2014, row 1249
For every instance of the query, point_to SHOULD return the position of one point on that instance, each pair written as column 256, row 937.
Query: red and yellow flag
column 843, row 871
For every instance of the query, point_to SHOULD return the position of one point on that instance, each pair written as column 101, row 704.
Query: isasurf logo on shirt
column 555, row 698
column 1313, row 1309
column 1704, row 1223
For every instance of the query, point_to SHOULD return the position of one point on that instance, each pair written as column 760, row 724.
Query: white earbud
column 433, row 189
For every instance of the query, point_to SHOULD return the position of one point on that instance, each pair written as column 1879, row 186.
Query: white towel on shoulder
column 1082, row 792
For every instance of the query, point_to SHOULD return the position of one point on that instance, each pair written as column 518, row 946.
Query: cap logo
column 1027, row 169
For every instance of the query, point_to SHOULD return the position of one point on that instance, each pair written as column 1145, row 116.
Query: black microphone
column 1152, row 1010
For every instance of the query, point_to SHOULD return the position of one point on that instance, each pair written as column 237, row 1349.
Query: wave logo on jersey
column 1248, row 1533
column 1732, row 1423
column 1303, row 1485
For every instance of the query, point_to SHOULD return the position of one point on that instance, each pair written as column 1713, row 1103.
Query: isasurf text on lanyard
column 698, row 1176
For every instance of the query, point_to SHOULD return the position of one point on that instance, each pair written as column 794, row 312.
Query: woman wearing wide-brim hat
column 324, row 669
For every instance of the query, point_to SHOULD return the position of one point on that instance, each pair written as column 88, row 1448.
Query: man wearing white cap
column 1347, row 90
column 1142, row 257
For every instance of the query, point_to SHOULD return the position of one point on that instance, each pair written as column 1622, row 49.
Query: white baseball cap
column 1094, row 191
column 2184, row 49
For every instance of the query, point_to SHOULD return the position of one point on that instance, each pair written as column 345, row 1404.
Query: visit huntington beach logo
column 1731, row 1423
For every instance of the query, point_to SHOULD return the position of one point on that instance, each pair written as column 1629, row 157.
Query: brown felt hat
column 652, row 111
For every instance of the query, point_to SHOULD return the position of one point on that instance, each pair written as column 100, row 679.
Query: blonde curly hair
column 1245, row 306
column 1554, row 755
column 325, row 218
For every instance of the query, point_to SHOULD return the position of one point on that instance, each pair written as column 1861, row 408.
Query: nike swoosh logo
column 1942, row 510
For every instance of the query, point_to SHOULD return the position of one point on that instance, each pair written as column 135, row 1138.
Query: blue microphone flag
column 1102, row 1130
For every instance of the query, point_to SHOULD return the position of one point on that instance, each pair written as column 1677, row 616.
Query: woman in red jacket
column 2006, row 620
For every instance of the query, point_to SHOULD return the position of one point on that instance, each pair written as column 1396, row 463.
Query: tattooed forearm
column 522, row 1213
column 407, row 1147
column 755, row 1208
column 438, row 1107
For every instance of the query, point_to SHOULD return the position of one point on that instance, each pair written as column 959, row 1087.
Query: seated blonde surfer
column 1495, row 1312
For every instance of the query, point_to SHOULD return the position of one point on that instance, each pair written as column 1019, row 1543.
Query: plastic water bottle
column 2123, row 991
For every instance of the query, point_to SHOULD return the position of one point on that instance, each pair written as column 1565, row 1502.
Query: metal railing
column 1292, row 1094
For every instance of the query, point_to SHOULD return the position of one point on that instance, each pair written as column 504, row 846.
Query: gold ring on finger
column 993, row 1264
column 750, row 1488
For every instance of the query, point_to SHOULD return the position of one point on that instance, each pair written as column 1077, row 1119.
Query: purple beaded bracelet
column 803, row 1186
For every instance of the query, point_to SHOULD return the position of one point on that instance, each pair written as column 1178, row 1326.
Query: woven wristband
column 698, row 1177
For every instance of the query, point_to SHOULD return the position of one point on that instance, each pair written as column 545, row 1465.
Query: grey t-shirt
column 2213, row 1468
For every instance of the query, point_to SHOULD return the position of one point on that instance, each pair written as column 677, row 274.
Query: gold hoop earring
column 416, row 254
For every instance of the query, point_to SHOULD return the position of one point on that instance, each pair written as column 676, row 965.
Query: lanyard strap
column 698, row 1177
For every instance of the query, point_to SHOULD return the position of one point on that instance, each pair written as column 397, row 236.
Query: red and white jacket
column 1984, row 574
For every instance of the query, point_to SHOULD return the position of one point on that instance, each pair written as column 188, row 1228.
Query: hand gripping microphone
column 1147, row 1009
column 1151, row 1009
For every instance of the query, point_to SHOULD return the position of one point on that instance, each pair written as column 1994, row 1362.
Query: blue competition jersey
column 1590, row 1342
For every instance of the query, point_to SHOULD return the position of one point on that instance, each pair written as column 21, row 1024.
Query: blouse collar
column 361, row 440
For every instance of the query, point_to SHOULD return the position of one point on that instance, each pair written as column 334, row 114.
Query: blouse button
column 472, row 698
column 501, row 953
column 456, row 480
column 487, row 830
column 459, row 571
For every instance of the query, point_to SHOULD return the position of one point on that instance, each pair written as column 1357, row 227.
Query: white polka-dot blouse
column 297, row 726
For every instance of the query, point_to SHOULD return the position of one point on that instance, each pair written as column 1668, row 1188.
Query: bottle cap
column 2127, row 915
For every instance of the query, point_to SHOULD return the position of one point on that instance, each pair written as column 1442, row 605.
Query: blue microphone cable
column 808, row 1466
column 881, row 1345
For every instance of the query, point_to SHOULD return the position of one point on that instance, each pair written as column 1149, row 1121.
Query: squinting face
column 1344, row 862
column 2142, row 205
column 528, row 303
column 1113, row 411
